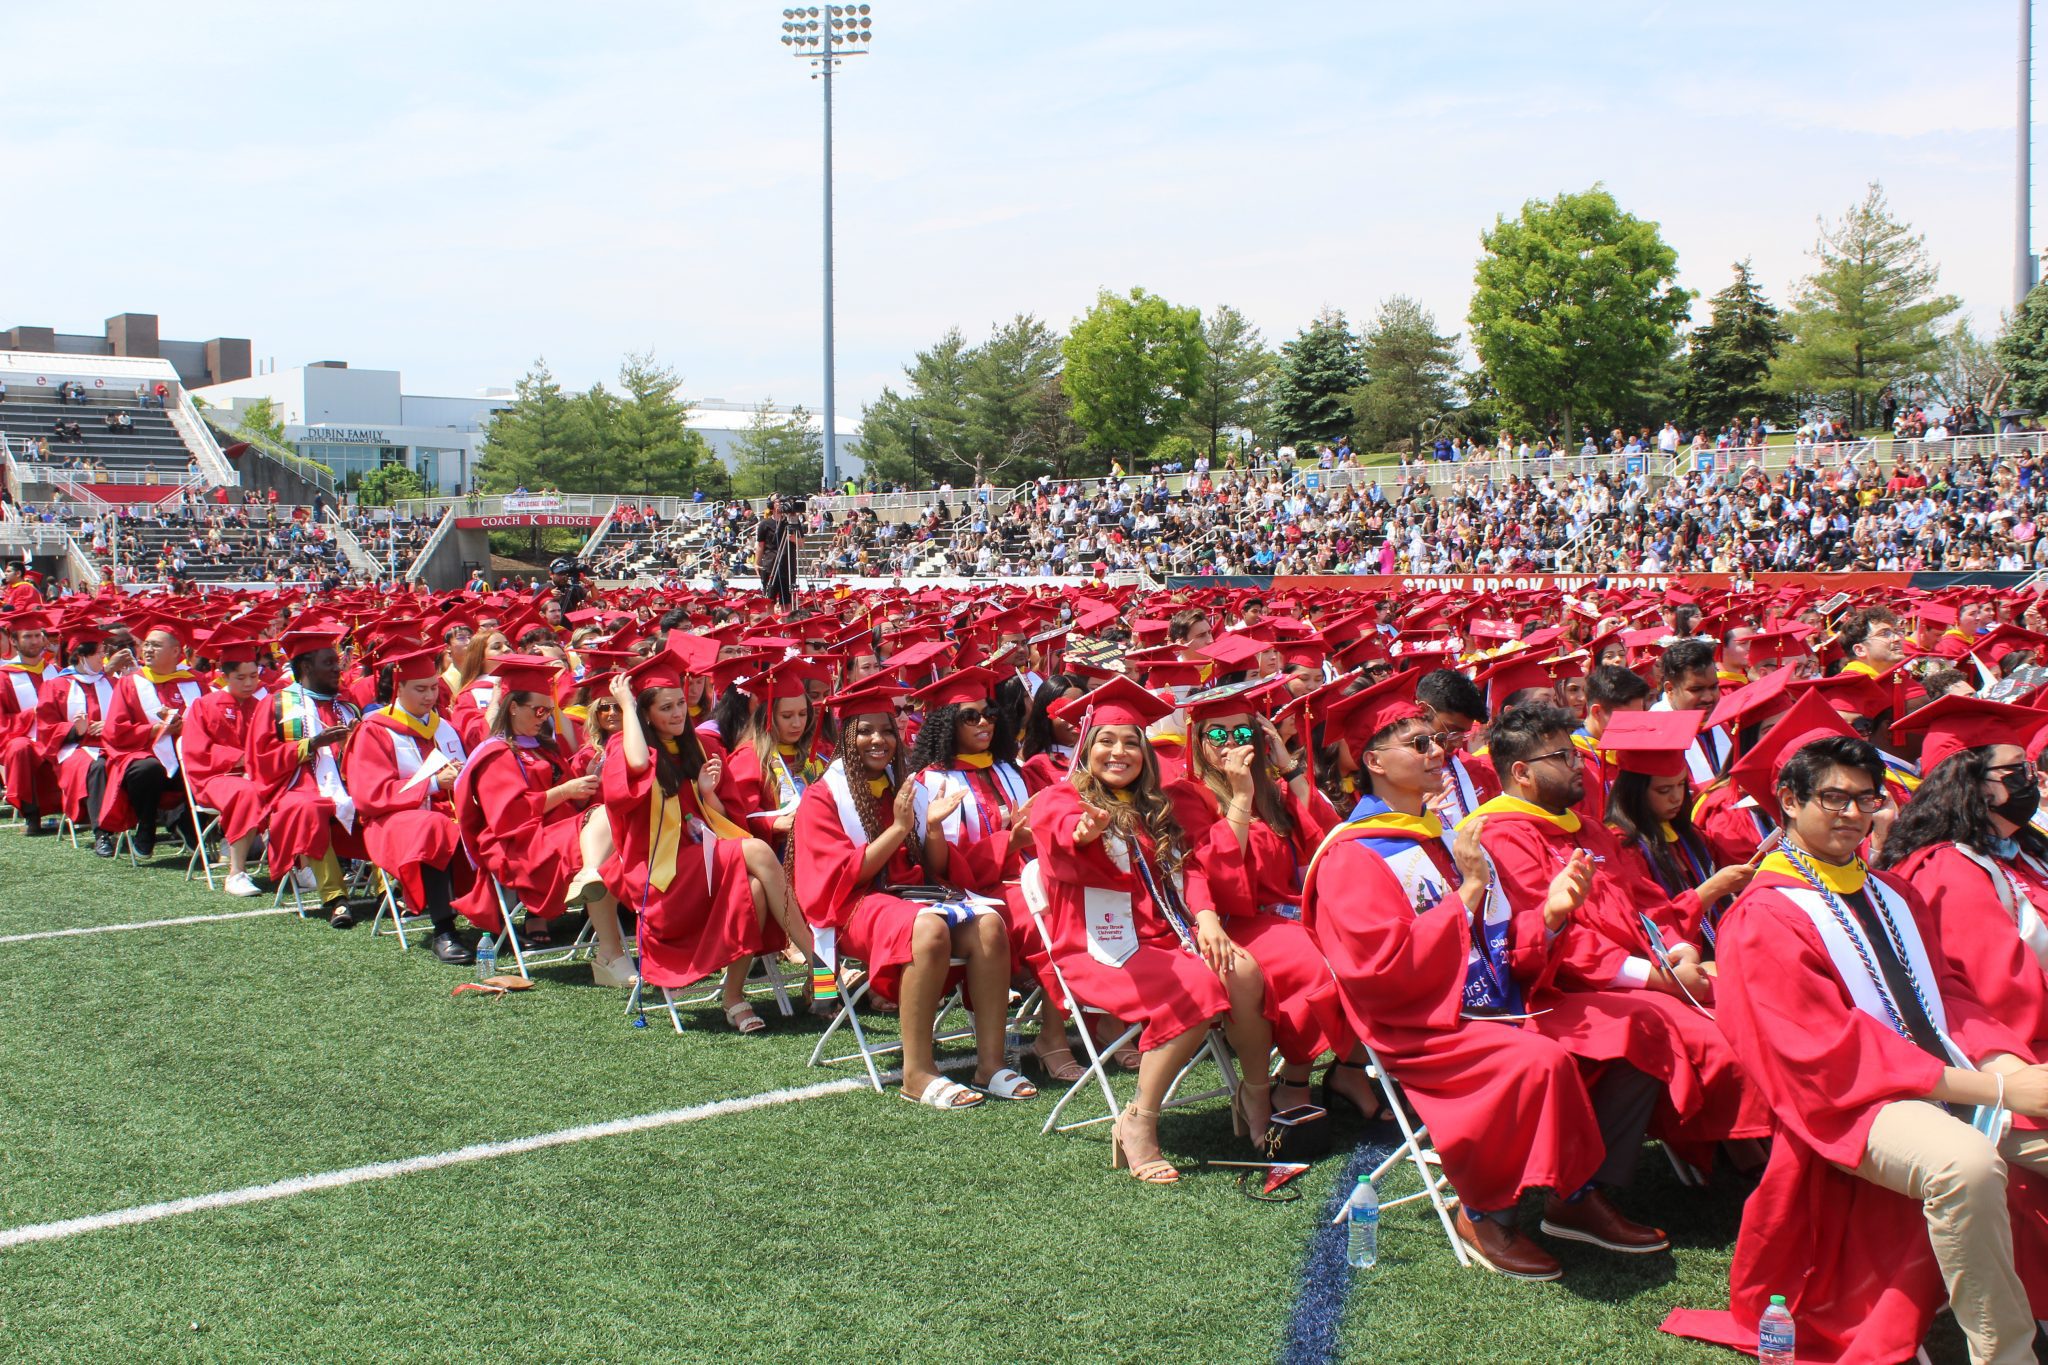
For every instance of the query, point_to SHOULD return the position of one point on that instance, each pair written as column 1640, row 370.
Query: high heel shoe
column 1240, row 1116
column 1154, row 1171
column 1334, row 1100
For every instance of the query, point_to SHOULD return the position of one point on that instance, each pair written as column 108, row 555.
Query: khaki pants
column 1958, row 1175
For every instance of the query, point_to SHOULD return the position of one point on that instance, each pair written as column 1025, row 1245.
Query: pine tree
column 1239, row 367
column 2023, row 351
column 1866, row 318
column 1313, row 381
column 648, row 447
column 778, row 454
column 544, row 440
column 1728, row 364
column 1412, row 372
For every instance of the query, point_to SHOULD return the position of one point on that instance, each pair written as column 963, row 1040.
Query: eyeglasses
column 2018, row 774
column 1241, row 734
column 1553, row 754
column 1837, row 802
column 1421, row 743
column 970, row 715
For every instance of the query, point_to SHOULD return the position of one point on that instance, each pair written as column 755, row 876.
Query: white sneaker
column 619, row 971
column 242, row 884
column 305, row 879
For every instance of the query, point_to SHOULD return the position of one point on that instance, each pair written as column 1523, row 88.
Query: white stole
column 1702, row 756
column 406, row 750
column 76, row 708
column 2013, row 897
column 1465, row 793
column 166, row 748
column 1868, row 991
column 1110, row 920
column 24, row 691
column 326, row 772
column 934, row 782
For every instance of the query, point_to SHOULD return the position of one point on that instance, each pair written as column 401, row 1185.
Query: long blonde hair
column 1149, row 811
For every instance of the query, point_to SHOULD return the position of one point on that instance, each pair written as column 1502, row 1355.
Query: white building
column 353, row 421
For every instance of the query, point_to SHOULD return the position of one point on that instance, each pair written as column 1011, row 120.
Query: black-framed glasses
column 2020, row 774
column 1553, row 754
column 1837, row 802
column 1236, row 734
column 1421, row 743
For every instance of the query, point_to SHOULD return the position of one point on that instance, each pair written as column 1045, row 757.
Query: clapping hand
column 1568, row 890
column 1466, row 853
column 944, row 804
column 905, row 816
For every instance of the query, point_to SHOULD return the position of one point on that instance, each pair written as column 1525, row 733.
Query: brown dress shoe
column 1593, row 1219
column 1505, row 1251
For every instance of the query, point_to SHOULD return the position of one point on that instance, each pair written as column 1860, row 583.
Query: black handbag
column 1300, row 1133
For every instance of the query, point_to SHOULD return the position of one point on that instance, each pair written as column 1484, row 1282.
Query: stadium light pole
column 2023, row 190
column 821, row 35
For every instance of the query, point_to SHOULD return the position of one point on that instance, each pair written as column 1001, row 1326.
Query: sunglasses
column 970, row 715
column 2019, row 774
column 1240, row 734
column 1421, row 743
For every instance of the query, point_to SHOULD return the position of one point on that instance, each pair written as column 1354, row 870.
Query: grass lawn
column 157, row 1064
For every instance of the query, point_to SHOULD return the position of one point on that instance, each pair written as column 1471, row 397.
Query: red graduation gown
column 1732, row 830
column 702, row 921
column 129, row 739
column 500, row 807
column 1247, row 887
column 1658, row 1034
column 868, row 924
column 1978, row 935
column 27, row 768
column 1162, row 985
column 302, row 821
column 1851, row 1258
column 71, row 755
column 403, row 829
column 1506, row 1107
column 1042, row 770
column 216, row 746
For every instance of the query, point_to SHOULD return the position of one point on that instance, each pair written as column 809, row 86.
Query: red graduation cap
column 1370, row 710
column 874, row 697
column 526, row 673
column 1505, row 677
column 1651, row 742
column 1239, row 699
column 1756, row 772
column 1117, row 702
column 413, row 665
column 1235, row 652
column 956, row 689
column 1954, row 724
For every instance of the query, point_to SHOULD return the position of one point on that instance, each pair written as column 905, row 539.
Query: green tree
column 1866, row 318
column 263, row 419
column 1312, row 383
column 919, row 437
column 1968, row 369
column 544, row 439
column 1412, row 379
column 388, row 483
column 645, row 446
column 1002, row 437
column 2023, row 351
column 778, row 454
column 1234, row 377
column 1132, row 363
column 1573, row 306
column 1728, row 361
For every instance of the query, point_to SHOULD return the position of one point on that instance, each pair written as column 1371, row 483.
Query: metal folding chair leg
column 1414, row 1149
column 389, row 906
column 849, row 1015
column 200, row 858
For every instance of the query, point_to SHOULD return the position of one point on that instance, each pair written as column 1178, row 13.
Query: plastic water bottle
column 486, row 957
column 1774, row 1334
column 1362, row 1213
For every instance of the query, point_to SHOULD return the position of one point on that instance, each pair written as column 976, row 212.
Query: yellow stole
column 1515, row 805
column 1858, row 666
column 666, row 825
column 1840, row 879
column 975, row 760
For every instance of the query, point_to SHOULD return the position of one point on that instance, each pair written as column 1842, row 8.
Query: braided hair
column 871, row 821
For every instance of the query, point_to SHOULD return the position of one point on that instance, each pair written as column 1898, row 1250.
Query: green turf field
column 160, row 1064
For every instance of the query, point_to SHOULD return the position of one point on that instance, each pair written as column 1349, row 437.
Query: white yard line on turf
column 413, row 1165
column 147, row 924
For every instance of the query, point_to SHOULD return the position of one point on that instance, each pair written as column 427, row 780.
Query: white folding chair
column 1214, row 1048
column 524, row 959
column 391, row 906
column 208, row 826
column 10, row 818
column 864, row 1049
column 1417, row 1151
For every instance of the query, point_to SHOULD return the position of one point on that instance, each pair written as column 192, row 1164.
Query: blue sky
column 453, row 189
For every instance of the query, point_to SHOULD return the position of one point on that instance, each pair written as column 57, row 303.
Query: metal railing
column 228, row 423
column 351, row 548
column 198, row 438
column 419, row 561
column 555, row 504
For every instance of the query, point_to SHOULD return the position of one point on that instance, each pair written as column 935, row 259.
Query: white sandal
column 940, row 1093
column 1008, row 1084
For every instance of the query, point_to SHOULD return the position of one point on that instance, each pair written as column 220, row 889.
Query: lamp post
column 821, row 36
